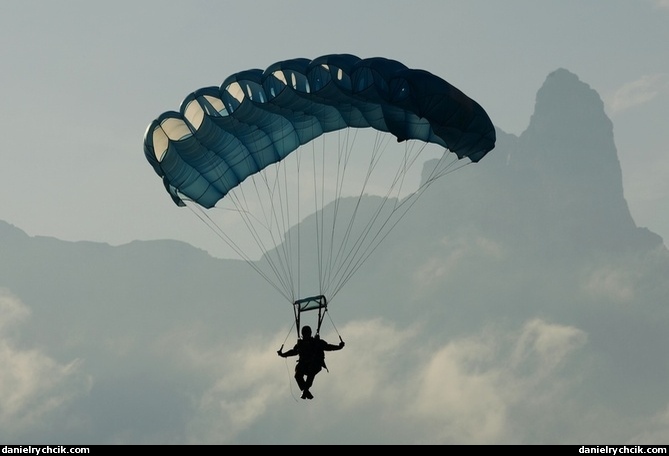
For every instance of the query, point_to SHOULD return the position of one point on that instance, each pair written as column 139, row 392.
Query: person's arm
column 330, row 347
column 291, row 352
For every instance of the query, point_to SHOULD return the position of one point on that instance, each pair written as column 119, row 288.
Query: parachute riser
column 319, row 303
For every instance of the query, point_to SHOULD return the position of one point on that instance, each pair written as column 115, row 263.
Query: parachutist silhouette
column 311, row 351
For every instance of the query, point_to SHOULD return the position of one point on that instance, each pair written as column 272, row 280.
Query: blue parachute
column 223, row 137
column 256, row 118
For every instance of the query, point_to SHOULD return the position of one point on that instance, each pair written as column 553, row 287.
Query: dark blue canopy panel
column 222, row 135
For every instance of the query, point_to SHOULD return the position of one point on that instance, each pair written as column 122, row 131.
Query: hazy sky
column 81, row 81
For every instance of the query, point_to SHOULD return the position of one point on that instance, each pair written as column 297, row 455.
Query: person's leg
column 300, row 372
column 311, row 374
column 309, row 380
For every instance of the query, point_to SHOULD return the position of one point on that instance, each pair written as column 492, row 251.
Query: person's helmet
column 306, row 331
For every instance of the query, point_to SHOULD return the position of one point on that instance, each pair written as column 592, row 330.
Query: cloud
column 33, row 386
column 455, row 251
column 377, row 352
column 477, row 389
column 246, row 380
column 473, row 389
column 662, row 4
column 250, row 382
column 656, row 431
column 611, row 284
column 12, row 312
column 638, row 92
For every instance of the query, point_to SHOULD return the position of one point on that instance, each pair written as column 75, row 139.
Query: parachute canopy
column 247, row 145
column 222, row 135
